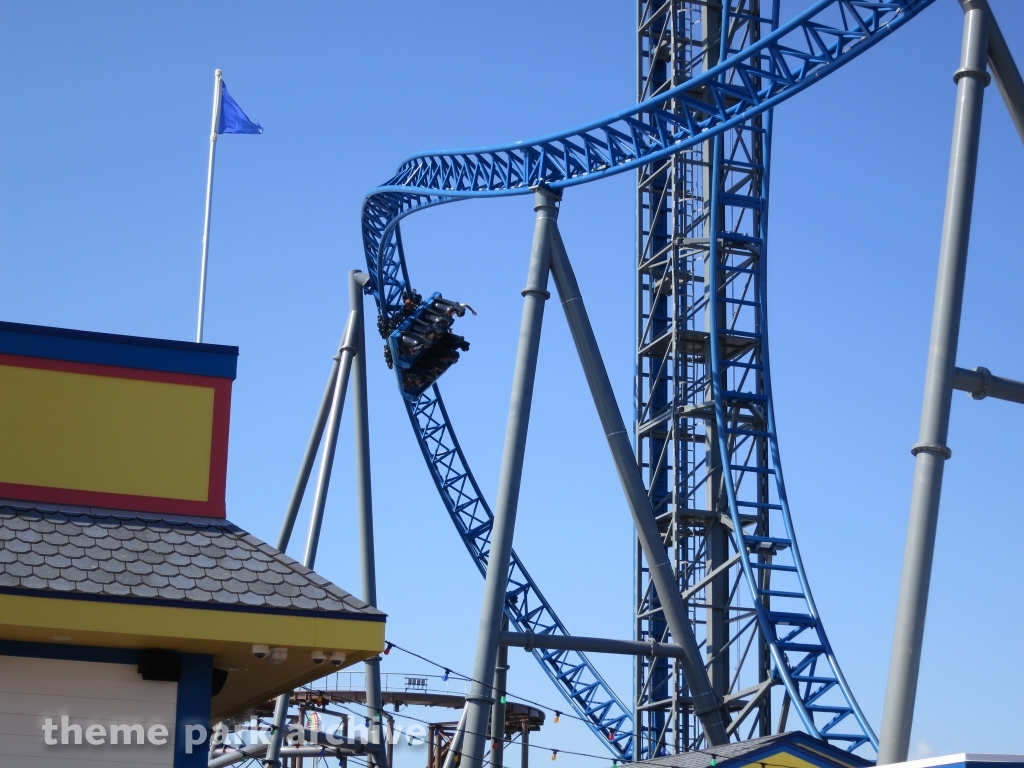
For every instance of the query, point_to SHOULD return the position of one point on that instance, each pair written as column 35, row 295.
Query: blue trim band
column 114, row 349
column 69, row 652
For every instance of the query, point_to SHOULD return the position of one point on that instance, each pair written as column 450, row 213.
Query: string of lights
column 713, row 758
column 555, row 751
column 448, row 672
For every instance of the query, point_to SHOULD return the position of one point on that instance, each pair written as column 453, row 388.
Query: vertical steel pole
column 361, row 423
column 343, row 760
column 496, row 582
column 707, row 705
column 323, row 484
column 352, row 348
column 715, row 22
column 364, row 501
column 389, row 740
column 931, row 451
column 299, row 762
column 498, row 709
column 218, row 76
column 272, row 758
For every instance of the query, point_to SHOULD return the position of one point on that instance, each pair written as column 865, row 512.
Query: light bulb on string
column 554, row 754
column 445, row 675
column 714, row 762
column 557, row 715
column 387, row 648
column 504, row 699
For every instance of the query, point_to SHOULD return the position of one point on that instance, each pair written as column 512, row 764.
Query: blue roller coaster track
column 710, row 110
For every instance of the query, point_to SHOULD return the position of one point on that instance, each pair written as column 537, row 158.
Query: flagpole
column 218, row 76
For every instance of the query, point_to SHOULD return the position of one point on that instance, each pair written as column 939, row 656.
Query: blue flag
column 232, row 118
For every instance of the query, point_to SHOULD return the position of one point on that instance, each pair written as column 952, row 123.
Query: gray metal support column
column 364, row 503
column 1003, row 67
column 352, row 350
column 361, row 423
column 931, row 451
column 707, row 705
column 343, row 761
column 388, row 752
column 716, row 537
column 716, row 540
column 272, row 759
column 982, row 383
column 529, row 641
column 498, row 708
column 507, row 502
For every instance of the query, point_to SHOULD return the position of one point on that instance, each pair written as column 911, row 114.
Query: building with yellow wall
column 783, row 750
column 127, row 598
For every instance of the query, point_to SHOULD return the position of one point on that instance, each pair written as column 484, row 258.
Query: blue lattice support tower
column 675, row 428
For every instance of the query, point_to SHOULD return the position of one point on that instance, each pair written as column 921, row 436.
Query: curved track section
column 819, row 41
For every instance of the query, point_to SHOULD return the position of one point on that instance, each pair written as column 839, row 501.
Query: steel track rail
column 811, row 46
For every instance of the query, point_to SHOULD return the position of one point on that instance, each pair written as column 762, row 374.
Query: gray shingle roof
column 126, row 556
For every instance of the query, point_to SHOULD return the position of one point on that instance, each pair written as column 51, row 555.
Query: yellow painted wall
column 105, row 434
column 781, row 759
column 194, row 628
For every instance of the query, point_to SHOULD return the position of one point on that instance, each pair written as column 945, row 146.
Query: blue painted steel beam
column 814, row 44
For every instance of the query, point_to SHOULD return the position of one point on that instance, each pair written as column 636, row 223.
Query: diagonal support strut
column 707, row 705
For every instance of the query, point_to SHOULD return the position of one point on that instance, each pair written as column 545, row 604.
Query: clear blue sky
column 104, row 121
